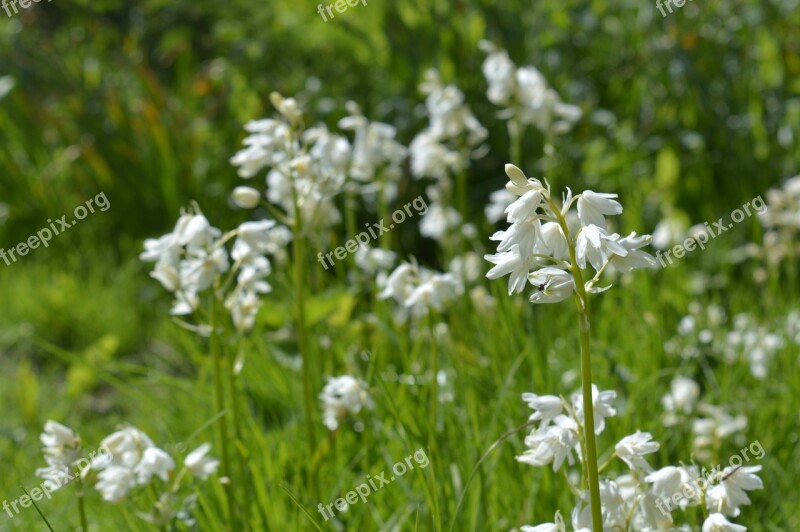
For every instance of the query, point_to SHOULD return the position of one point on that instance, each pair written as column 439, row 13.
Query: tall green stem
column 81, row 506
column 582, row 300
column 432, row 443
column 298, row 249
column 233, row 388
column 219, row 394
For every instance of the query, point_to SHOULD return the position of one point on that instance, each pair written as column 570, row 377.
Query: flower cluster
column 524, row 93
column 642, row 498
column 781, row 219
column 129, row 460
column 341, row 396
column 377, row 158
column 62, row 452
column 306, row 168
column 193, row 258
column 705, row 332
column 444, row 149
column 710, row 424
column 418, row 290
column 545, row 238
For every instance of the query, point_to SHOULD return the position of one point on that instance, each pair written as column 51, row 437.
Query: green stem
column 233, row 388
column 81, row 505
column 432, row 443
column 582, row 301
column 298, row 249
column 219, row 394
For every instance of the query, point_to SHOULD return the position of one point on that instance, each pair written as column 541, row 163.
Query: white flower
column 267, row 145
column 56, row 475
column 130, row 459
column 374, row 260
column 431, row 158
column 525, row 234
column 115, row 482
column 433, row 293
column 373, row 147
column 342, row 395
column 636, row 258
column 546, row 407
column 727, row 496
column 552, row 285
column 592, row 206
column 666, row 482
column 198, row 272
column 510, row 262
column 614, row 508
column 525, row 206
column 61, row 444
column 557, row 526
column 439, row 221
column 717, row 523
column 246, row 197
column 125, row 447
column 518, row 183
column 243, row 306
column 716, row 427
column 400, row 283
column 683, row 395
column 670, row 481
column 554, row 242
column 467, row 268
column 602, row 407
column 499, row 71
column 154, row 462
column 596, row 245
column 499, row 200
column 631, row 450
column 200, row 465
column 553, row 443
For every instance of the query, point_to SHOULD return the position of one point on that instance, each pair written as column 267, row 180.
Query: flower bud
column 246, row 197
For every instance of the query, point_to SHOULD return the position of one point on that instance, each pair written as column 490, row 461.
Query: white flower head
column 631, row 450
column 602, row 407
column 551, row 444
column 596, row 246
column 343, row 395
column 594, row 206
column 552, row 285
column 546, row 407
column 200, row 464
column 716, row 522
column 731, row 492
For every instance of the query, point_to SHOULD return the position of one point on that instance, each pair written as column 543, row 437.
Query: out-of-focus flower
column 343, row 395
column 200, row 464
column 717, row 522
column 246, row 197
